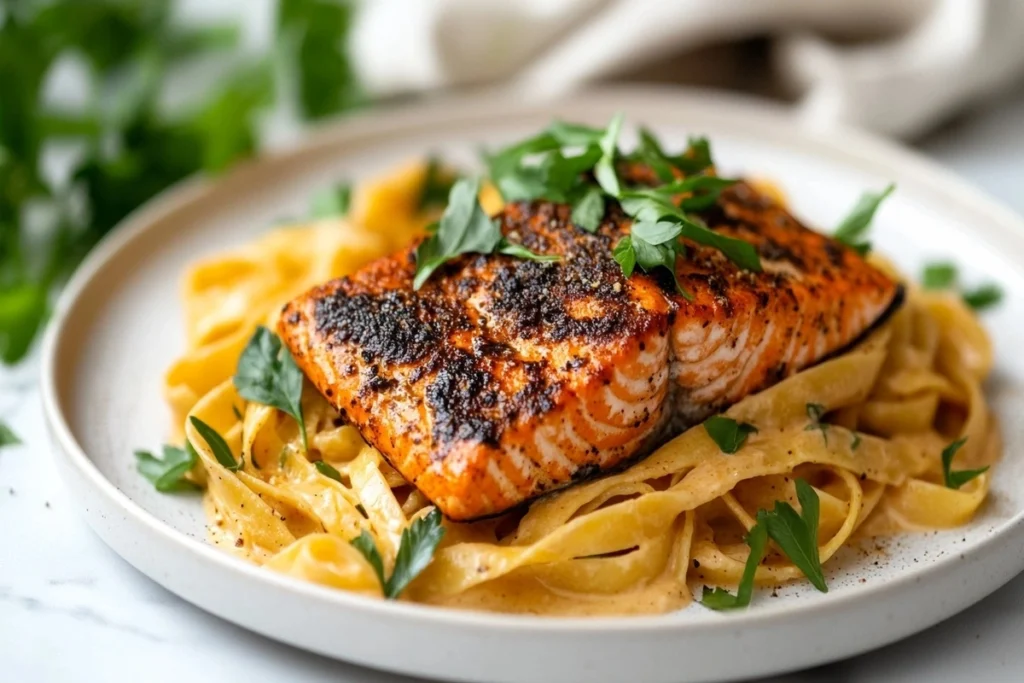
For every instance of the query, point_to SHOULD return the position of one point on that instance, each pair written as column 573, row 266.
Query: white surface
column 67, row 594
column 894, row 67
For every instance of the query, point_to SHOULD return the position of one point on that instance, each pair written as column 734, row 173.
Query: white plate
column 118, row 326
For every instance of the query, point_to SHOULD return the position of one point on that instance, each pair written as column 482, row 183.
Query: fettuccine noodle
column 635, row 542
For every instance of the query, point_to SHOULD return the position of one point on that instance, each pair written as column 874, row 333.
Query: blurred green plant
column 133, row 148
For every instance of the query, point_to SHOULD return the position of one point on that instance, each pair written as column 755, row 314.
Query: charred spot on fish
column 587, row 471
column 834, row 251
column 392, row 327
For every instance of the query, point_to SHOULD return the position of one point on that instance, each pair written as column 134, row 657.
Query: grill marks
column 502, row 379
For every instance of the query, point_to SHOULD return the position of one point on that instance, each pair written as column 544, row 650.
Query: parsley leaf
column 729, row 434
column 217, row 444
column 604, row 171
column 939, row 276
column 983, row 297
column 954, row 479
column 721, row 599
column 7, row 436
column 797, row 534
column 168, row 473
column 328, row 470
column 437, row 183
column 465, row 228
column 651, row 153
column 815, row 411
column 945, row 276
column 365, row 544
column 651, row 245
column 267, row 374
column 855, row 442
column 853, row 228
column 588, row 209
column 334, row 201
column 696, row 158
column 419, row 542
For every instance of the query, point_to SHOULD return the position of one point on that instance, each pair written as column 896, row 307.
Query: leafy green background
column 126, row 144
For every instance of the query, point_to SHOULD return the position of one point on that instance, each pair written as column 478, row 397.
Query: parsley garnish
column 855, row 442
column 795, row 534
column 464, row 228
column 328, row 470
column 939, row 276
column 7, row 436
column 437, row 183
column 729, row 434
column 854, row 227
column 168, row 473
column 217, row 444
column 721, row 599
column 815, row 411
column 267, row 374
column 983, row 297
column 954, row 479
column 547, row 166
column 419, row 541
column 334, row 201
column 946, row 276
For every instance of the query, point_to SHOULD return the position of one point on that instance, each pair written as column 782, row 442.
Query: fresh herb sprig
column 124, row 144
column 578, row 164
column 221, row 450
column 729, row 434
column 465, row 228
column 332, row 202
column 267, row 374
column 853, row 229
column 796, row 535
column 944, row 275
column 328, row 470
column 419, row 542
column 167, row 473
column 954, row 479
column 7, row 436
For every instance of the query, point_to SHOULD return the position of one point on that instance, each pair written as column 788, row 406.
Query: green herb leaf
column 7, row 436
column 167, row 474
column 625, row 255
column 575, row 134
column 365, row 544
column 815, row 411
column 729, row 434
column 419, row 541
column 742, row 253
column 696, row 158
column 267, row 374
column 983, row 297
column 797, row 535
column 854, row 227
column 465, row 228
column 237, row 413
column 721, row 599
column 651, row 153
column 335, row 201
column 217, row 444
column 588, row 209
column 604, row 171
column 328, row 470
column 954, row 479
column 939, row 276
column 855, row 442
column 437, row 184
column 519, row 251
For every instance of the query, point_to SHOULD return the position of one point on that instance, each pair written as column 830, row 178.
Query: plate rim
column 490, row 105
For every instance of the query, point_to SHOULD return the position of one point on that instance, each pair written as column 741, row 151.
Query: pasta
column 634, row 542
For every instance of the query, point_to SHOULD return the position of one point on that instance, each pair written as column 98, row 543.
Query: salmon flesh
column 502, row 379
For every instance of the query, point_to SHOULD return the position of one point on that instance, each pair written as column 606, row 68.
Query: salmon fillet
column 502, row 379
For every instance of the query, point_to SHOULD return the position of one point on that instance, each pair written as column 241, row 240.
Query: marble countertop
column 72, row 610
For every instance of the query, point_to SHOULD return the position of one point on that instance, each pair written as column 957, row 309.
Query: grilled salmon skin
column 502, row 379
